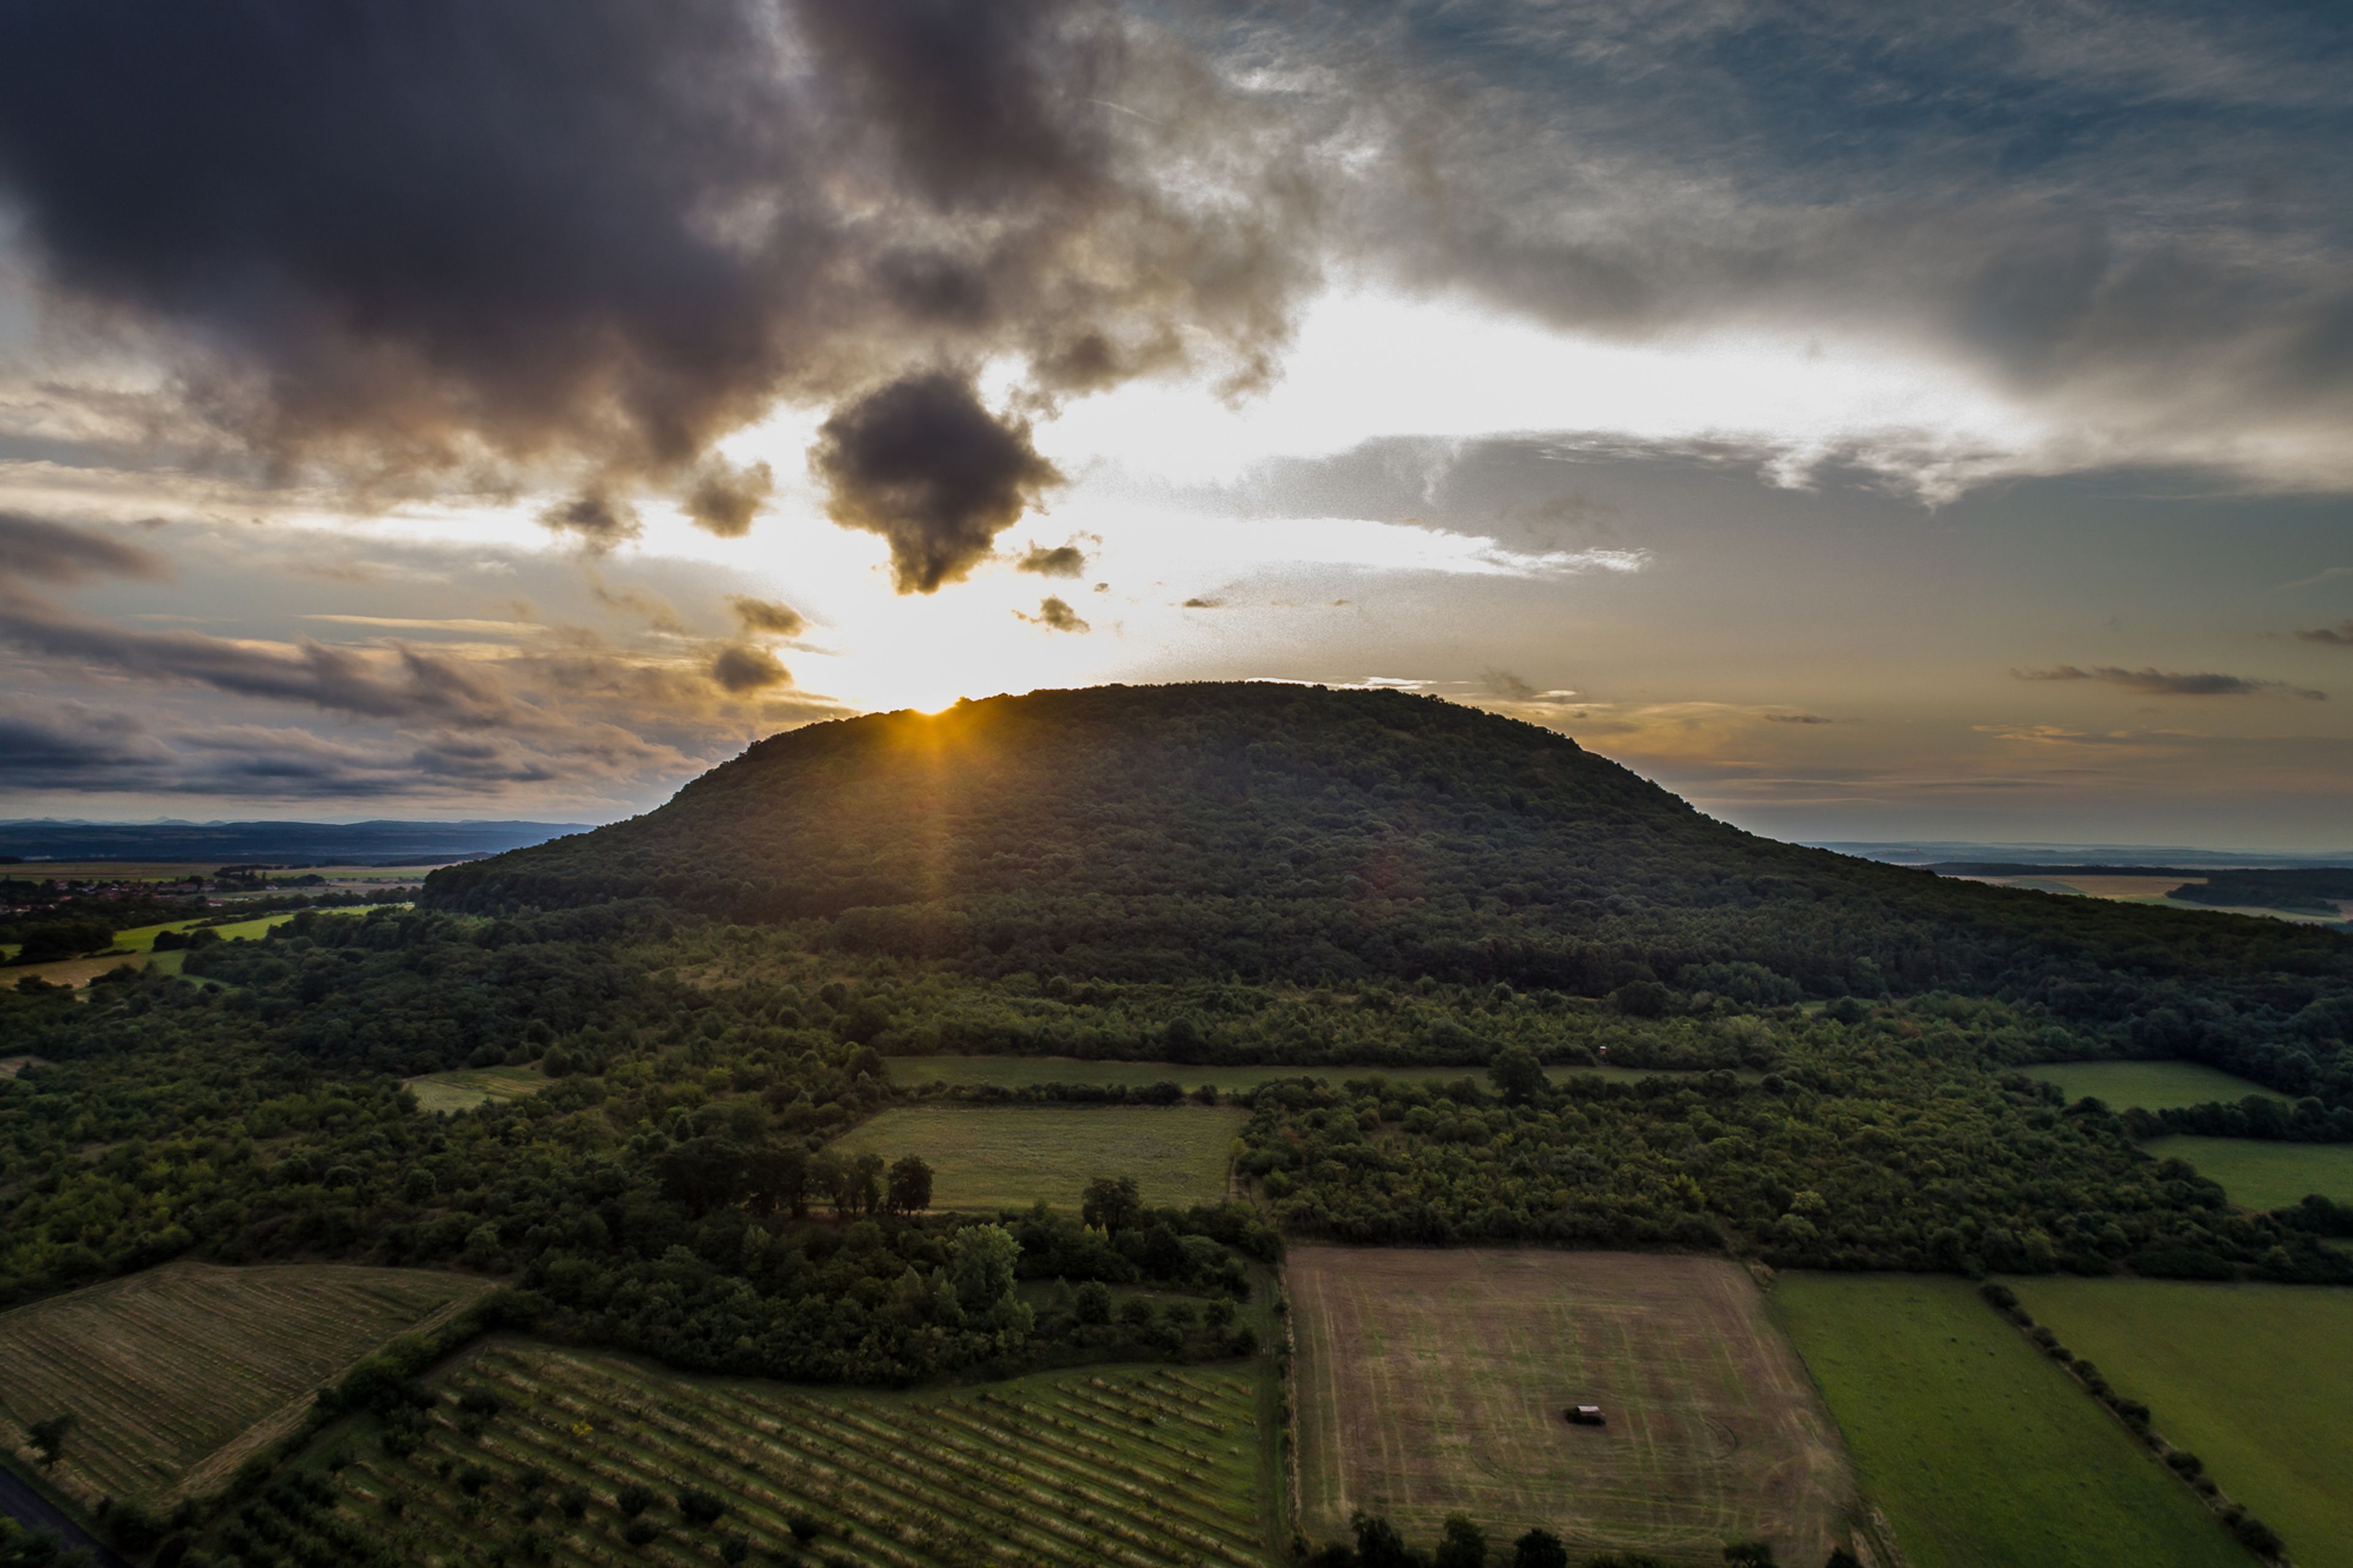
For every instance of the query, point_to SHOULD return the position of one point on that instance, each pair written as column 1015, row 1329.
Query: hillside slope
column 1294, row 832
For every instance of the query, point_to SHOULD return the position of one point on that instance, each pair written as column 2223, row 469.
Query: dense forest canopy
column 1284, row 833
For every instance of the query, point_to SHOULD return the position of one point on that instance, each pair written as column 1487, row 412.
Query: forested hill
column 1272, row 831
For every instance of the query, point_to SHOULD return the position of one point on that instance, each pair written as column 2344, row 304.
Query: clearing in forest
column 2262, row 1174
column 470, row 1086
column 1432, row 1383
column 1106, row 1467
column 2150, row 1086
column 2253, row 1379
column 176, row 1375
column 996, row 1157
column 1978, row 1448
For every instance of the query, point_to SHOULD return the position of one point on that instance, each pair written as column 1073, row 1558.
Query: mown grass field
column 470, row 1086
column 2253, row 1379
column 1028, row 1072
column 176, row 1374
column 1434, row 1382
column 1127, row 1467
column 2265, row 1176
column 2149, row 1086
column 992, row 1157
column 1977, row 1447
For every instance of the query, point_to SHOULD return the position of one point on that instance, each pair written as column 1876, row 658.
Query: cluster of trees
column 42, row 941
column 1308, row 837
column 2306, row 1121
column 1378, row 1543
column 1883, row 1145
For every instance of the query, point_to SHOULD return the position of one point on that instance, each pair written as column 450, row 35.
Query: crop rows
column 1128, row 1467
column 165, row 1368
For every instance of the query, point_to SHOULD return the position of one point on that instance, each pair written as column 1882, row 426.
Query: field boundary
column 2143, row 1429
column 284, row 1422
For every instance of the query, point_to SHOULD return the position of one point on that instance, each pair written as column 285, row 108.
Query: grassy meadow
column 993, row 1157
column 173, row 1375
column 2253, row 1379
column 139, row 944
column 1434, row 1382
column 2149, row 1086
column 1976, row 1446
column 1028, row 1072
column 470, row 1086
column 1130, row 1467
column 2261, row 1175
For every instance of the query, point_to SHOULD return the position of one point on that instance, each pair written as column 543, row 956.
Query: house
column 1584, row 1415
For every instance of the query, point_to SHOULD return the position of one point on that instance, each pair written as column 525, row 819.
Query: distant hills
column 1284, row 832
column 276, row 843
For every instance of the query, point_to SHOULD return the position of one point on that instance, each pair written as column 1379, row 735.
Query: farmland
column 1132, row 1466
column 1432, row 1381
column 2253, row 1379
column 2149, row 1086
column 1977, row 1448
column 470, row 1086
column 1028, row 1072
column 176, row 1374
column 2261, row 1175
column 1010, row 1157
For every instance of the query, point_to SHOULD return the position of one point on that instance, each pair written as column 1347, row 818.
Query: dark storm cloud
column 2338, row 636
column 2156, row 682
column 766, row 615
column 1061, row 561
column 594, row 235
column 724, row 499
column 35, row 547
column 740, row 669
column 921, row 462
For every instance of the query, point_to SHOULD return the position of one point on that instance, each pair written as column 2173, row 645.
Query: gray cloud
column 766, row 615
column 921, row 462
column 2338, row 636
column 600, row 517
column 1056, row 615
column 724, row 499
column 1798, row 719
column 741, row 668
column 1061, row 561
column 39, row 548
column 2156, row 682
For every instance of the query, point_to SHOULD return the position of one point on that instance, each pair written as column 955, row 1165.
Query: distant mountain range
column 273, row 843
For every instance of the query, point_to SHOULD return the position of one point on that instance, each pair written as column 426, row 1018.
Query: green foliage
column 1339, row 837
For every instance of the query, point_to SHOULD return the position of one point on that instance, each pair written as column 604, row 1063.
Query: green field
column 992, row 1157
column 176, row 1375
column 1126, row 1466
column 1435, row 1382
column 2253, row 1379
column 2149, row 1086
column 470, row 1086
column 139, row 943
column 1027, row 1072
column 1979, row 1451
column 2260, row 1174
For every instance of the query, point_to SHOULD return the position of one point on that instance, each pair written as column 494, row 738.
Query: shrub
column 698, row 1507
column 634, row 1498
column 640, row 1531
column 1539, row 1549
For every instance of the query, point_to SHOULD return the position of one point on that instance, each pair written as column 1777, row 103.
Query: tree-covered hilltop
column 1272, row 832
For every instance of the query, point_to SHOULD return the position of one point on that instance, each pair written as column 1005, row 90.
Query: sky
column 1871, row 421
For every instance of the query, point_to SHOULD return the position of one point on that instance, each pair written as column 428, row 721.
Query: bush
column 698, row 1507
column 640, row 1531
column 1539, row 1549
column 634, row 1498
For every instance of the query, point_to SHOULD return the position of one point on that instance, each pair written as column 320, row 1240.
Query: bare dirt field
column 1434, row 1382
column 176, row 1375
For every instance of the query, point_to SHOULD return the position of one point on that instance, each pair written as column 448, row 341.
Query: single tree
column 1518, row 1076
column 1112, row 1204
column 1461, row 1544
column 910, row 1185
column 1539, row 1548
column 49, row 1436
